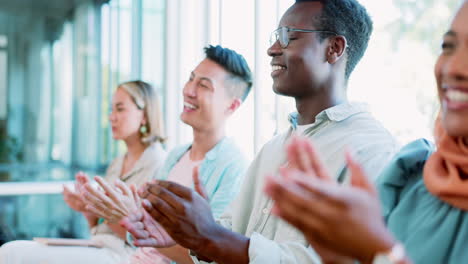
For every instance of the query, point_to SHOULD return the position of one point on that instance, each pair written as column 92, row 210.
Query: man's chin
column 184, row 119
column 281, row 90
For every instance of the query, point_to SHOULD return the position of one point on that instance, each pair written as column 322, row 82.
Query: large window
column 395, row 76
column 3, row 77
column 198, row 23
column 57, row 76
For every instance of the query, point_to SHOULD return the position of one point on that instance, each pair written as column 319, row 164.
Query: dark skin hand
column 329, row 215
column 186, row 216
column 146, row 231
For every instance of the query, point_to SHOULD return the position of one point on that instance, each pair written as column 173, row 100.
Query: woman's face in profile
column 451, row 72
column 125, row 117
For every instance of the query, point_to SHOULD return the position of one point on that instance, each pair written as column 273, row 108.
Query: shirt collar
column 335, row 113
column 213, row 153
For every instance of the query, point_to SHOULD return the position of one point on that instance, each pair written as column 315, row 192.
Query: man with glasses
column 314, row 51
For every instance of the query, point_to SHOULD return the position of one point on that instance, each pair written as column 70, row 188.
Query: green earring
column 143, row 129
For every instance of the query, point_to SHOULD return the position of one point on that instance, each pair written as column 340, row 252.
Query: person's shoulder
column 178, row 151
column 418, row 150
column 157, row 151
column 156, row 147
column 278, row 141
column 408, row 162
column 403, row 177
column 366, row 121
column 363, row 127
column 114, row 168
column 229, row 152
column 413, row 156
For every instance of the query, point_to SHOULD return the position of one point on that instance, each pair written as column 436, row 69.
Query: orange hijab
column 446, row 170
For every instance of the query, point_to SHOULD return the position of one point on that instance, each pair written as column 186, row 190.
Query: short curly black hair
column 240, row 81
column 349, row 19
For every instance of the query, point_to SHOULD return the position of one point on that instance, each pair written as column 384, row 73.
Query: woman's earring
column 143, row 130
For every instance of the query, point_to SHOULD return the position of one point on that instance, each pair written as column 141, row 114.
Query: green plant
column 10, row 149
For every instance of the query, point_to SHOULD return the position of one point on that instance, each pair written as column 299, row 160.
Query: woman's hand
column 341, row 220
column 112, row 202
column 146, row 231
column 73, row 198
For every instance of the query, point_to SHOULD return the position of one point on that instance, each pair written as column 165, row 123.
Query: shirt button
column 265, row 211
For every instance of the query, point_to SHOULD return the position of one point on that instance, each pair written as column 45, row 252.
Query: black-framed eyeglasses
column 281, row 34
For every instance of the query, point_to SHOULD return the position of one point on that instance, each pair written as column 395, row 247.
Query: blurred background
column 60, row 61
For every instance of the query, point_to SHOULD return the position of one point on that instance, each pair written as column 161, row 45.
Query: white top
column 182, row 172
column 144, row 169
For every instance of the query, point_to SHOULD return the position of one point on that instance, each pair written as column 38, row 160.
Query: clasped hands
column 173, row 214
column 158, row 215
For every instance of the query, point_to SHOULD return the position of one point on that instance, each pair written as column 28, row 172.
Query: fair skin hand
column 148, row 233
column 73, row 198
column 112, row 202
column 330, row 215
column 75, row 201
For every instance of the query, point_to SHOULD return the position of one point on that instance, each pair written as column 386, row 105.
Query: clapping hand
column 73, row 198
column 112, row 202
column 339, row 221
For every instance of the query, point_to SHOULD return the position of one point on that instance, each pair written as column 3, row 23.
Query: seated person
column 136, row 119
column 214, row 91
column 314, row 51
column 423, row 192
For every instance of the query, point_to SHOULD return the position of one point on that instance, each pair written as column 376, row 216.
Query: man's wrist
column 224, row 246
column 210, row 244
column 198, row 257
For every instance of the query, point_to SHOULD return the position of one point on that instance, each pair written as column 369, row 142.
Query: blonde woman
column 136, row 120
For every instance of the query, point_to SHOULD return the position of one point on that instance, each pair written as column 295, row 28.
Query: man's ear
column 336, row 49
column 234, row 105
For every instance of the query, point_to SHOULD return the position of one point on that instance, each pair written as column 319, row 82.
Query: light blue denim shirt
column 221, row 172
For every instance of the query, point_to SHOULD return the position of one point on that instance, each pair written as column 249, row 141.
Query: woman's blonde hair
column 146, row 99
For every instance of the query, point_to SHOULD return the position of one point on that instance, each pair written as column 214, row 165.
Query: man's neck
column 309, row 107
column 204, row 141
